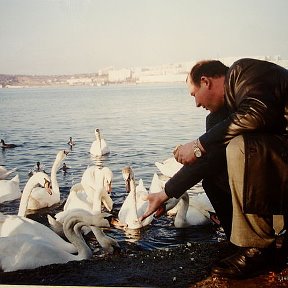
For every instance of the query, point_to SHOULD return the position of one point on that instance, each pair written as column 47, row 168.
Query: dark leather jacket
column 256, row 94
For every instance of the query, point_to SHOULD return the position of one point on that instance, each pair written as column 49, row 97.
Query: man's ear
column 206, row 81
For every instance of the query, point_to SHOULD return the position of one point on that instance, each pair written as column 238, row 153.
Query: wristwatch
column 197, row 150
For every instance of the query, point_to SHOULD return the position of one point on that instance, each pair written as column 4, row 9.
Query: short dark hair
column 208, row 68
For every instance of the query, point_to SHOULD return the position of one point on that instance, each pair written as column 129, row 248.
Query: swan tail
column 16, row 178
column 8, row 173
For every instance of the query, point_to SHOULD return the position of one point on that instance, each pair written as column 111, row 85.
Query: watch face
column 197, row 152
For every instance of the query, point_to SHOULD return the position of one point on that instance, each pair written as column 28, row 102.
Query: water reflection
column 98, row 160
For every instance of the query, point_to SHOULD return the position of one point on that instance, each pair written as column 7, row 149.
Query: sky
column 53, row 37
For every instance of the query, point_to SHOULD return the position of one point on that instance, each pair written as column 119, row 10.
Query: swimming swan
column 39, row 198
column 4, row 173
column 25, row 251
column 97, row 182
column 12, row 225
column 92, row 191
column 37, row 179
column 134, row 204
column 192, row 210
column 99, row 147
column 10, row 189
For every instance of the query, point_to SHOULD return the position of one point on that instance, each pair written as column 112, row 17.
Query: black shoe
column 247, row 262
column 281, row 245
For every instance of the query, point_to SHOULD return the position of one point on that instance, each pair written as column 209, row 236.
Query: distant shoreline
column 169, row 73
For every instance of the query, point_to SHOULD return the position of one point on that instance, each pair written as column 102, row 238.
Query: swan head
column 61, row 155
column 128, row 175
column 170, row 204
column 47, row 185
column 97, row 133
column 108, row 177
column 41, row 179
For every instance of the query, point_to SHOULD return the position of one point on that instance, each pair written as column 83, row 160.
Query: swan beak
column 214, row 218
column 109, row 190
column 66, row 152
column 127, row 185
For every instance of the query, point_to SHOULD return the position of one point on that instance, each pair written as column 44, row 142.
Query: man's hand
column 184, row 153
column 156, row 200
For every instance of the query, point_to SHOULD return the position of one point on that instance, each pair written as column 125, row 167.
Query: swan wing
column 11, row 225
column 99, row 148
column 169, row 167
column 128, row 214
column 196, row 217
column 77, row 198
column 24, row 251
column 10, row 189
column 4, row 173
column 201, row 201
column 104, row 147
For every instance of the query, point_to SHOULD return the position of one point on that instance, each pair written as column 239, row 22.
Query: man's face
column 206, row 95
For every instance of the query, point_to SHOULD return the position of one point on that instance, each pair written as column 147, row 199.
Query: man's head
column 206, row 83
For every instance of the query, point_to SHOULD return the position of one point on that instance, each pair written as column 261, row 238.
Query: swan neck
column 55, row 167
column 25, row 196
column 71, row 229
column 133, row 191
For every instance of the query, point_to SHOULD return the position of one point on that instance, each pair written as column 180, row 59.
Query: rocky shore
column 185, row 266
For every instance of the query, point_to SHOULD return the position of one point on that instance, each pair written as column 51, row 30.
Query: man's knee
column 235, row 147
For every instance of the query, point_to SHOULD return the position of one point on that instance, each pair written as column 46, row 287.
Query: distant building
column 79, row 81
column 122, row 75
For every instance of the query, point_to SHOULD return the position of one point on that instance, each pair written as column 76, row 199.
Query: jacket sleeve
column 248, row 118
column 186, row 177
column 189, row 175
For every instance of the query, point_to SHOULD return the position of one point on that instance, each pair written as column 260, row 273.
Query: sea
column 141, row 124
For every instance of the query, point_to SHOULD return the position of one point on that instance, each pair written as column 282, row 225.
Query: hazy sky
column 78, row 36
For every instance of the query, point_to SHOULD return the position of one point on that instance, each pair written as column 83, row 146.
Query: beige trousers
column 248, row 230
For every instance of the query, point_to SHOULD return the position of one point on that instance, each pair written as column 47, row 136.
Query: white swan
column 97, row 182
column 10, row 189
column 4, row 173
column 25, row 251
column 169, row 167
column 39, row 198
column 135, row 203
column 92, row 191
column 99, row 147
column 37, row 179
column 14, row 224
column 192, row 210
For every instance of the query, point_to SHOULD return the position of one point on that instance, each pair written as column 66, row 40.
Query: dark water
column 141, row 124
